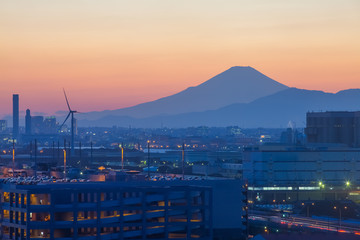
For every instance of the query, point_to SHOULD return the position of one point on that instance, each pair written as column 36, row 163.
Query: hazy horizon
column 64, row 110
column 119, row 53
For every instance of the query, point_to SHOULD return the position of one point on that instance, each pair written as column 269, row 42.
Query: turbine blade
column 65, row 120
column 67, row 102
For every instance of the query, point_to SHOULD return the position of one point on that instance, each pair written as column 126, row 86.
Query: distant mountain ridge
column 239, row 96
column 235, row 85
column 274, row 111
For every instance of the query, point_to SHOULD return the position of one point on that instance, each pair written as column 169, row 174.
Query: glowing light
column 101, row 168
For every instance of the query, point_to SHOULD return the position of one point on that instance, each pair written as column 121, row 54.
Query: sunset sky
column 110, row 54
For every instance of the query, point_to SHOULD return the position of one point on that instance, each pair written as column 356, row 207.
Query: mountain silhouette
column 274, row 111
column 235, row 85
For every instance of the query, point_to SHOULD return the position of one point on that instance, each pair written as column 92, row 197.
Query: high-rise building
column 28, row 122
column 37, row 124
column 50, row 126
column 15, row 116
column 3, row 125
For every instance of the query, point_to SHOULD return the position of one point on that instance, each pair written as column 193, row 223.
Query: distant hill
column 235, row 85
column 275, row 110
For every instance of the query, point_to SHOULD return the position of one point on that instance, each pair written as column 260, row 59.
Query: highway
column 306, row 222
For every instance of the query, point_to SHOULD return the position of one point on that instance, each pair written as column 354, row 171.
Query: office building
column 333, row 127
column 28, row 122
column 15, row 116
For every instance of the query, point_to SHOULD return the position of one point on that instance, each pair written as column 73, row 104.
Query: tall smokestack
column 28, row 122
column 15, row 116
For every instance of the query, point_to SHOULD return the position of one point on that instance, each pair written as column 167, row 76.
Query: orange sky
column 113, row 53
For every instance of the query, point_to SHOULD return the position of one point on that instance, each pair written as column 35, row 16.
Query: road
column 306, row 222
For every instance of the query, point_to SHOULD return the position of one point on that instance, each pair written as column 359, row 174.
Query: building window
column 6, row 196
column 64, row 216
column 87, row 232
column 64, row 233
column 40, row 217
column 86, row 215
column 40, row 199
column 39, row 233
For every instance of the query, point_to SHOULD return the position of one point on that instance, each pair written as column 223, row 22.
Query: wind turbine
column 71, row 112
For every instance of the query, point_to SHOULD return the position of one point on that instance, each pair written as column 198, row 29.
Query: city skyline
column 120, row 54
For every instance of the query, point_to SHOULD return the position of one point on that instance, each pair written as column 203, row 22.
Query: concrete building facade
column 293, row 166
column 333, row 127
column 103, row 210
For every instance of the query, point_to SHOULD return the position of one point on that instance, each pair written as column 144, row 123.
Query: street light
column 64, row 164
column 345, row 208
column 13, row 159
column 148, row 146
column 122, row 156
column 308, row 208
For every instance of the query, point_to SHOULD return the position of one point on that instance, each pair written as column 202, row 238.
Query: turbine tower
column 71, row 112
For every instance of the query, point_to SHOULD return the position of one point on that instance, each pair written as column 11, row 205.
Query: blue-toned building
column 106, row 210
column 293, row 166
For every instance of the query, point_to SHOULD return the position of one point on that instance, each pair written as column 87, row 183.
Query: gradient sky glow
column 116, row 53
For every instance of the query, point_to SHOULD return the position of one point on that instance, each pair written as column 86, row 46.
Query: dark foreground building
column 134, row 209
column 103, row 210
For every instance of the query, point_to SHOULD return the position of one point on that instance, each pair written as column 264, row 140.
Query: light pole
column 13, row 158
column 122, row 157
column 148, row 145
column 183, row 158
column 307, row 210
column 35, row 153
column 64, row 164
column 340, row 213
column 64, row 150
